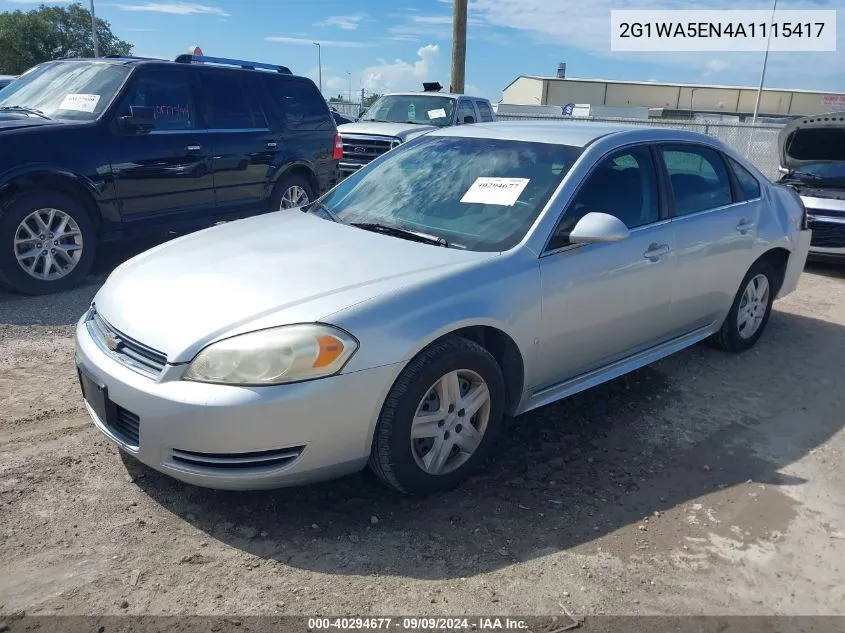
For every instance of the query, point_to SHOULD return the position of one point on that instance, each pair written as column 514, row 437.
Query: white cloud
column 345, row 22
column 716, row 65
column 333, row 83
column 400, row 74
column 175, row 8
column 304, row 41
column 585, row 26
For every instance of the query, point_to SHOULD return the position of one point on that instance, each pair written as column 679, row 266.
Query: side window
column 624, row 185
column 229, row 103
column 699, row 179
column 298, row 103
column 465, row 109
column 484, row 110
column 749, row 188
column 168, row 93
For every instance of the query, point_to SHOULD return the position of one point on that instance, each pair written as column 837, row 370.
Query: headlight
column 290, row 353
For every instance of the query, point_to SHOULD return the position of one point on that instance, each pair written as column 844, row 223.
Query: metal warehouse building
column 558, row 91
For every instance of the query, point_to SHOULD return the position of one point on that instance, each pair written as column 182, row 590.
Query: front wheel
column 47, row 243
column 440, row 419
column 750, row 311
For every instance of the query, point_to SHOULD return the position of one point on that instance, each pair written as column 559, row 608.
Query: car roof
column 563, row 132
column 137, row 61
column 453, row 95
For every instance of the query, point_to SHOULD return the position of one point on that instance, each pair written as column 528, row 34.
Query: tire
column 63, row 272
column 732, row 338
column 399, row 461
column 285, row 185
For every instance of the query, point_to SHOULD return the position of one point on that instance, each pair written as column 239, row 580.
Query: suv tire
column 56, row 224
column 290, row 189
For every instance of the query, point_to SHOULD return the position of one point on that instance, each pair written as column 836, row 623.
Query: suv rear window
column 229, row 103
column 484, row 110
column 299, row 103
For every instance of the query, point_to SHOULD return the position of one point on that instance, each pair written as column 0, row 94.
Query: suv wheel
column 440, row 419
column 47, row 243
column 292, row 192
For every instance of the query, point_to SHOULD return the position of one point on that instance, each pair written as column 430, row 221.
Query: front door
column 165, row 172
column 602, row 302
column 715, row 223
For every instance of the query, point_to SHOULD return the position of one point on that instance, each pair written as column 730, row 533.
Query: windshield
column 476, row 193
column 75, row 91
column 427, row 109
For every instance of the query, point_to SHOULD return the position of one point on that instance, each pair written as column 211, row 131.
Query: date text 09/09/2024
column 418, row 623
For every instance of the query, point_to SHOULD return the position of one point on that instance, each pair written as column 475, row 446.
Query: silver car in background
column 475, row 272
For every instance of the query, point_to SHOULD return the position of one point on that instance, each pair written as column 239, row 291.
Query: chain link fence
column 758, row 143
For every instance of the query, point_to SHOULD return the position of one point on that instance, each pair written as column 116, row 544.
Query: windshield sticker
column 80, row 103
column 412, row 112
column 440, row 113
column 503, row 191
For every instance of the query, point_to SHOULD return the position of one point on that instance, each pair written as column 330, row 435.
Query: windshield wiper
column 416, row 122
column 319, row 205
column 797, row 174
column 19, row 108
column 416, row 236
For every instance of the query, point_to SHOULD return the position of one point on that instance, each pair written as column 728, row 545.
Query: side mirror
column 598, row 228
column 140, row 119
column 469, row 119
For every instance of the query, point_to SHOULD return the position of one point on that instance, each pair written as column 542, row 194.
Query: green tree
column 370, row 100
column 46, row 33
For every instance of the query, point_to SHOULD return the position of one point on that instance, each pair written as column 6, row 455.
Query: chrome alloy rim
column 293, row 197
column 48, row 244
column 752, row 306
column 450, row 422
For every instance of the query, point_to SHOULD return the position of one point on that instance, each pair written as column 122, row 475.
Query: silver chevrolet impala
column 473, row 273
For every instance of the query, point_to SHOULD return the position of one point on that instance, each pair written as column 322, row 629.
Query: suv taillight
column 337, row 154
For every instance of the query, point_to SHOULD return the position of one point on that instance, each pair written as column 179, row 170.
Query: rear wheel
column 292, row 192
column 47, row 243
column 440, row 419
column 750, row 311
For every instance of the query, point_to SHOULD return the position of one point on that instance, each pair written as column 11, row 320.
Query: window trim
column 662, row 208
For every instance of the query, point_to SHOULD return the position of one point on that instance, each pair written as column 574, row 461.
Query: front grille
column 125, row 425
column 827, row 234
column 126, row 350
column 363, row 149
column 262, row 460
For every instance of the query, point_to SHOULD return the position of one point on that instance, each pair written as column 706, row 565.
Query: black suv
column 103, row 149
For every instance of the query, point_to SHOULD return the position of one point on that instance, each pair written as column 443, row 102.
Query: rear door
column 307, row 127
column 165, row 172
column 242, row 143
column 715, row 221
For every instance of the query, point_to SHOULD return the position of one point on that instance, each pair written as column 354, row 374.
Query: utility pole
column 94, row 31
column 765, row 61
column 320, row 64
column 349, row 75
column 459, row 45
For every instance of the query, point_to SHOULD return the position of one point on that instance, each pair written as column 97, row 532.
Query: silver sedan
column 473, row 273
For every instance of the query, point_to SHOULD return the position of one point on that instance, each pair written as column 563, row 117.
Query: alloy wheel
column 294, row 196
column 48, row 244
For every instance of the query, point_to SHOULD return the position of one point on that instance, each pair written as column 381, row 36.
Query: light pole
column 691, row 95
column 94, row 31
column 349, row 76
column 765, row 61
column 320, row 64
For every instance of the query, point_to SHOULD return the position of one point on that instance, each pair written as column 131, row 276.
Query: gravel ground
column 703, row 484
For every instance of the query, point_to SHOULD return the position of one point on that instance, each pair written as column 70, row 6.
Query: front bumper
column 236, row 438
column 826, row 218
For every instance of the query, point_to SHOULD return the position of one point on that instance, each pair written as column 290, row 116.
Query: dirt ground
column 704, row 484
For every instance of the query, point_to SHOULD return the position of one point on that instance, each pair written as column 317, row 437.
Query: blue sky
column 383, row 45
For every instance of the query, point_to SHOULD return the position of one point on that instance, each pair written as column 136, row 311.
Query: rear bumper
column 795, row 264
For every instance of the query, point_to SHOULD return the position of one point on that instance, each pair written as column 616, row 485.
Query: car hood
column 812, row 139
column 399, row 130
column 19, row 120
column 273, row 269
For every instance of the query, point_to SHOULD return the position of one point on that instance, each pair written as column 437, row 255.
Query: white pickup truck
column 400, row 116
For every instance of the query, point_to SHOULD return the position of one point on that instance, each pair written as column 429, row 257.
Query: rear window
column 484, row 110
column 298, row 103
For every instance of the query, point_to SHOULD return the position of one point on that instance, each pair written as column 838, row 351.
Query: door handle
column 744, row 226
column 656, row 251
column 193, row 148
column 272, row 145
